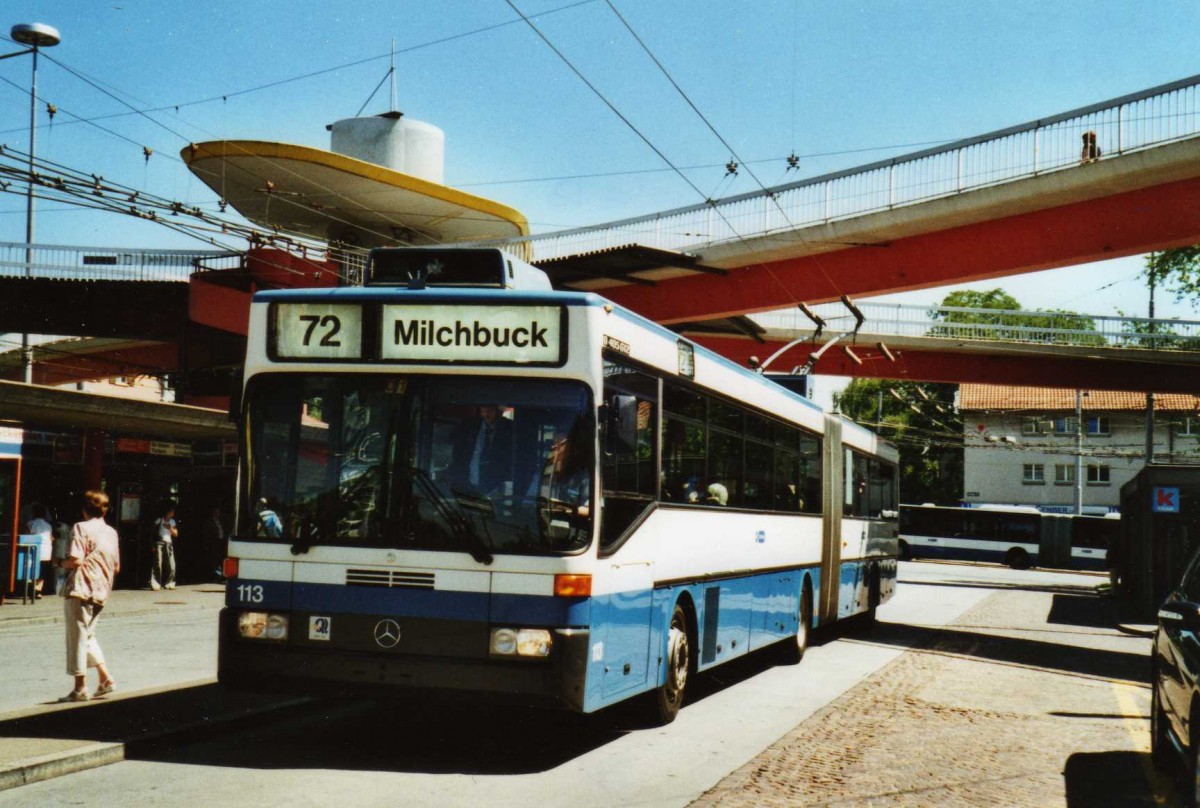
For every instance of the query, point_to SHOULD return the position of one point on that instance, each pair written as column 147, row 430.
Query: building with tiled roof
column 1020, row 444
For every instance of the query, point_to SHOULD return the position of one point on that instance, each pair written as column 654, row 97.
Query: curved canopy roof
column 338, row 198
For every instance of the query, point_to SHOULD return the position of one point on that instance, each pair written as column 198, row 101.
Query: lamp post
column 36, row 36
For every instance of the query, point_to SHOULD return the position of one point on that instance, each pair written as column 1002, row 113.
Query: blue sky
column 854, row 82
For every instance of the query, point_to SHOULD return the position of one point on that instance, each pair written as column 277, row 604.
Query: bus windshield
column 478, row 465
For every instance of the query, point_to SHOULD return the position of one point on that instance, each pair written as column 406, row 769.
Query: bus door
column 622, row 622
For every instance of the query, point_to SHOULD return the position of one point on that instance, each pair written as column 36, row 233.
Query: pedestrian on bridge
column 93, row 562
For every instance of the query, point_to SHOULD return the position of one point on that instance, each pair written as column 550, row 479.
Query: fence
column 998, row 325
column 57, row 262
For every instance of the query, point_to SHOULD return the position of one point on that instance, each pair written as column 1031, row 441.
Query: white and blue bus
column 456, row 478
column 1019, row 536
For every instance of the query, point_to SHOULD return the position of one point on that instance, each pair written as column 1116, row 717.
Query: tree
column 921, row 419
column 1178, row 271
column 1008, row 321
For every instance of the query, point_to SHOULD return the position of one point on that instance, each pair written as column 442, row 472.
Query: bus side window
column 629, row 475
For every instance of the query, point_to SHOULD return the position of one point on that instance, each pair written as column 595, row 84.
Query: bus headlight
column 263, row 626
column 533, row 642
column 525, row 642
column 504, row 641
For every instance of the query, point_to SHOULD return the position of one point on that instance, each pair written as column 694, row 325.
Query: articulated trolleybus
column 456, row 478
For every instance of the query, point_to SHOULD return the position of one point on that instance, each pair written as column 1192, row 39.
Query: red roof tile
column 1000, row 397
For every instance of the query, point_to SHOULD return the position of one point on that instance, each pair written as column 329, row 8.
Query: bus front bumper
column 264, row 665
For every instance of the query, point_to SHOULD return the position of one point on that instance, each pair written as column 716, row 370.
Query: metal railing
column 67, row 262
column 997, row 325
column 59, row 262
column 1143, row 120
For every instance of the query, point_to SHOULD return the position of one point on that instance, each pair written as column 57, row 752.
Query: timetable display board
column 317, row 331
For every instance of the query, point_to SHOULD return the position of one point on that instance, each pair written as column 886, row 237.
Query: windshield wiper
column 459, row 524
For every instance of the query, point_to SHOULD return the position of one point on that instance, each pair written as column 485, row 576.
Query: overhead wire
column 737, row 160
column 323, row 71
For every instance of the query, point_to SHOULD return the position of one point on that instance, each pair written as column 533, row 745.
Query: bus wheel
column 1017, row 558
column 904, row 552
column 792, row 651
column 669, row 698
column 874, row 595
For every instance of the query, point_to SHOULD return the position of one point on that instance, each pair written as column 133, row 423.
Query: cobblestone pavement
column 1035, row 697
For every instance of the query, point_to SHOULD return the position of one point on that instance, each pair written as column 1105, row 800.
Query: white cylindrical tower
column 392, row 141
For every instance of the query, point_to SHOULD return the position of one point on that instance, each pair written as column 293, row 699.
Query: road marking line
column 1138, row 729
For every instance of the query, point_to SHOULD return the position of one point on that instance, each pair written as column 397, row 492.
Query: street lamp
column 36, row 36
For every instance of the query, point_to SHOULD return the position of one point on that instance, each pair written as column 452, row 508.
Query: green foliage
column 968, row 299
column 1142, row 334
column 1177, row 271
column 1013, row 323
column 921, row 419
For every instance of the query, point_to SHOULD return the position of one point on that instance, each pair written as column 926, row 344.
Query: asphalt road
column 429, row 754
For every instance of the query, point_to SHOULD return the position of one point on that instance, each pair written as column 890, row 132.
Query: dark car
column 1175, row 682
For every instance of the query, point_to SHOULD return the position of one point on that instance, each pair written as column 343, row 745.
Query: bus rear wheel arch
column 1017, row 558
column 681, row 663
column 791, row 651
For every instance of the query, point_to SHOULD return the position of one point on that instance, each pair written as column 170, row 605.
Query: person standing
column 93, row 562
column 38, row 526
column 162, row 576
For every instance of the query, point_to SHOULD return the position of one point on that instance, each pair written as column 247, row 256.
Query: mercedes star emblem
column 387, row 633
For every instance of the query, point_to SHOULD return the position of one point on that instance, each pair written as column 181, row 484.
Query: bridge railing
column 997, row 325
column 1129, row 123
column 60, row 262
column 66, row 262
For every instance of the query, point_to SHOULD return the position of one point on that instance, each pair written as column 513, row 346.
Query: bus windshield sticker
column 516, row 334
column 320, row 628
column 318, row 331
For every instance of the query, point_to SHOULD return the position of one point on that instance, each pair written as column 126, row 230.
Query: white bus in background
column 1019, row 536
column 458, row 479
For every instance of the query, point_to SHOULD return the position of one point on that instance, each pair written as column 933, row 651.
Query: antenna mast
column 393, row 72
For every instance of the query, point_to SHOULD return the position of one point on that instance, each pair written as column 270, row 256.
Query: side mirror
column 622, row 424
column 1179, row 615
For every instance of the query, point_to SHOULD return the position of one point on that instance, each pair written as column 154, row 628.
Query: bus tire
column 669, row 697
column 874, row 594
column 792, row 651
column 1017, row 558
column 904, row 552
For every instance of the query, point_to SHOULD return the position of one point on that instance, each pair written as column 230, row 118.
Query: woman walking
column 93, row 562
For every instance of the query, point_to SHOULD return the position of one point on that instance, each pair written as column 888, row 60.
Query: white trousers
column 83, row 651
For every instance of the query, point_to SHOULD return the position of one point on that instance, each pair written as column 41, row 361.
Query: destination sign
column 466, row 333
column 318, row 331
